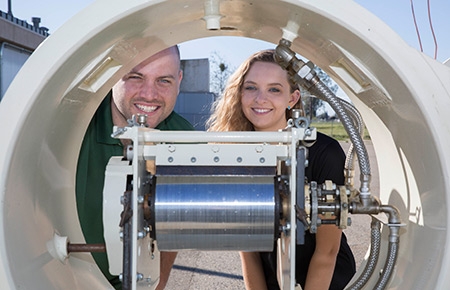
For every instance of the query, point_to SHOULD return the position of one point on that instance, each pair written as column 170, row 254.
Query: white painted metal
column 115, row 186
column 403, row 95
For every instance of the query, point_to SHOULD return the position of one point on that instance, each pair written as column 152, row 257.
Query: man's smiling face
column 150, row 88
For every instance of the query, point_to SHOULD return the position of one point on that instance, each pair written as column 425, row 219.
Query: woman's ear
column 295, row 97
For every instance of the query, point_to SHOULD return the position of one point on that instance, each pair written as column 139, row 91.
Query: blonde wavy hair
column 227, row 114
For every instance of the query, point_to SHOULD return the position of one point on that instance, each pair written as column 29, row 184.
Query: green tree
column 220, row 72
column 310, row 102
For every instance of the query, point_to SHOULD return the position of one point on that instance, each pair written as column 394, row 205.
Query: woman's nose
column 260, row 96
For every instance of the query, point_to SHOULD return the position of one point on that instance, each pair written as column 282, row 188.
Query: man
column 150, row 88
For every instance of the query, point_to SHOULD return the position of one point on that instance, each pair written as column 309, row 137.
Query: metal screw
column 139, row 276
column 216, row 159
column 141, row 235
column 239, row 159
column 193, row 159
column 262, row 160
column 170, row 159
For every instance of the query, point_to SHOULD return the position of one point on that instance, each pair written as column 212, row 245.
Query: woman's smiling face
column 265, row 95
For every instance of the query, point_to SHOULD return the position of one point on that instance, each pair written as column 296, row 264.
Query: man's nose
column 148, row 90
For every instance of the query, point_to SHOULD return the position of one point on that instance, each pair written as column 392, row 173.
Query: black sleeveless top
column 326, row 161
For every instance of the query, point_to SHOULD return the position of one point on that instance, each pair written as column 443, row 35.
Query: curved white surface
column 403, row 95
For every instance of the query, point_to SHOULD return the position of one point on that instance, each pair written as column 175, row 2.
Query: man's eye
column 165, row 81
column 132, row 76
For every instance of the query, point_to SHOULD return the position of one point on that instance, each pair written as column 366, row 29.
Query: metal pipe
column 80, row 248
column 373, row 256
column 222, row 137
column 389, row 265
column 304, row 75
column 394, row 239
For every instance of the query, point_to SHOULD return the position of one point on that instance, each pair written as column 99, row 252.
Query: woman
column 259, row 97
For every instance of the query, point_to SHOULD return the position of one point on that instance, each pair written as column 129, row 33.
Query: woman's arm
column 252, row 271
column 323, row 261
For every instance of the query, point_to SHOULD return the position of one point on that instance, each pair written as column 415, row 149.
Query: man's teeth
column 261, row 110
column 146, row 109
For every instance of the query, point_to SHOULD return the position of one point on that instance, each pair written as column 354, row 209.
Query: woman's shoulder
column 326, row 147
column 323, row 141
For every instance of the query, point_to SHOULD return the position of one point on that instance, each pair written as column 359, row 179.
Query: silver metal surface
column 215, row 213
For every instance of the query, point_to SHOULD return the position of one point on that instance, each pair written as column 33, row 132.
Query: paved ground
column 222, row 270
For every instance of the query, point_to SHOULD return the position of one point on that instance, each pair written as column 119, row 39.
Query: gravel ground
column 222, row 270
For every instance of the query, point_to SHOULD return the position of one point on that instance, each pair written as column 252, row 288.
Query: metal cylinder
column 215, row 213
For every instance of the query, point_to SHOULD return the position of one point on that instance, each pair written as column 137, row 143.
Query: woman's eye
column 249, row 88
column 274, row 90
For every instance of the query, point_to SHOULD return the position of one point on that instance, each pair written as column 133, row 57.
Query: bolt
column 141, row 235
column 286, row 227
column 216, row 159
column 141, row 119
column 239, row 159
column 170, row 159
column 193, row 159
column 262, row 160
column 259, row 149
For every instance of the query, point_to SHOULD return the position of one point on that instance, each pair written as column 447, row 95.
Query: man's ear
column 180, row 75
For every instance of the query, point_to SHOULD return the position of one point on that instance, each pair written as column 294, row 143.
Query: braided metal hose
column 322, row 91
column 373, row 257
column 389, row 266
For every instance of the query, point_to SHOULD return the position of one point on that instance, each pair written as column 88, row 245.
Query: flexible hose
column 358, row 122
column 322, row 91
column 394, row 239
column 302, row 73
column 389, row 266
column 373, row 257
column 351, row 153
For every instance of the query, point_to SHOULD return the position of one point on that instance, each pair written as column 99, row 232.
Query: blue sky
column 396, row 13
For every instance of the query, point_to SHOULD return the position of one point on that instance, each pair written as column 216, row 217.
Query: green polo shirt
column 97, row 148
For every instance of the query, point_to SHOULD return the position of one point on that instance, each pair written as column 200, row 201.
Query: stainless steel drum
column 215, row 213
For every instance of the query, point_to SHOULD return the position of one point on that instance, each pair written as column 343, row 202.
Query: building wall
column 195, row 75
column 195, row 100
column 18, row 39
